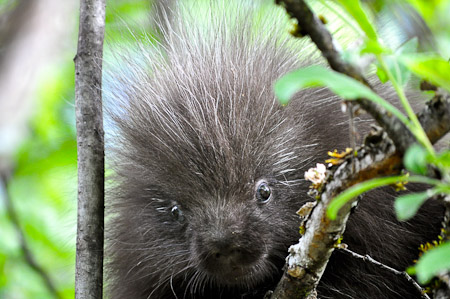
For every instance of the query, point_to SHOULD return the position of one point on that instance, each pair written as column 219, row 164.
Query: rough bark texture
column 377, row 158
column 382, row 157
column 314, row 249
column 310, row 25
column 89, row 258
column 435, row 117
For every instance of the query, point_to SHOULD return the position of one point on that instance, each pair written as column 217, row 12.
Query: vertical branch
column 90, row 146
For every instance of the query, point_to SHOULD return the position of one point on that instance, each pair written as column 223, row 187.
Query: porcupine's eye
column 263, row 192
column 177, row 214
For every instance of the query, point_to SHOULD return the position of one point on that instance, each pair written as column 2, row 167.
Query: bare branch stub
column 90, row 147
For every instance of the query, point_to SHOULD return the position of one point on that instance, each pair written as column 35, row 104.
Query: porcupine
column 208, row 170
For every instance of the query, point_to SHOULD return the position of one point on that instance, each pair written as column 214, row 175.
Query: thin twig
column 311, row 25
column 308, row 259
column 352, row 129
column 28, row 254
column 368, row 258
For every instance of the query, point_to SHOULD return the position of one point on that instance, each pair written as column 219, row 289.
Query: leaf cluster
column 393, row 66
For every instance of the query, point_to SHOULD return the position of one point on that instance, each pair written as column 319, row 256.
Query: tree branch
column 28, row 254
column 435, row 117
column 379, row 157
column 369, row 259
column 307, row 259
column 90, row 145
column 309, row 24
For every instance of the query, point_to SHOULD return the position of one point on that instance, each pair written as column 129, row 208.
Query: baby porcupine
column 208, row 170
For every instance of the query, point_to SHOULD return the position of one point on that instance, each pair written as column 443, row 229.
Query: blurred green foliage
column 43, row 185
column 43, row 189
column 7, row 4
column 126, row 21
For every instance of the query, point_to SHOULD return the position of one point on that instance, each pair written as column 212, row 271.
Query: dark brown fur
column 194, row 131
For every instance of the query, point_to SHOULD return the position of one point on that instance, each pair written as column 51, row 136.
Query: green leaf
column 406, row 206
column 342, row 85
column 354, row 8
column 442, row 160
column 339, row 201
column 374, row 47
column 415, row 159
column 400, row 72
column 443, row 188
column 433, row 262
column 430, row 67
column 382, row 75
column 408, row 47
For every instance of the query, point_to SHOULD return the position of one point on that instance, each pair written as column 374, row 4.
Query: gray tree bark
column 308, row 259
column 90, row 145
